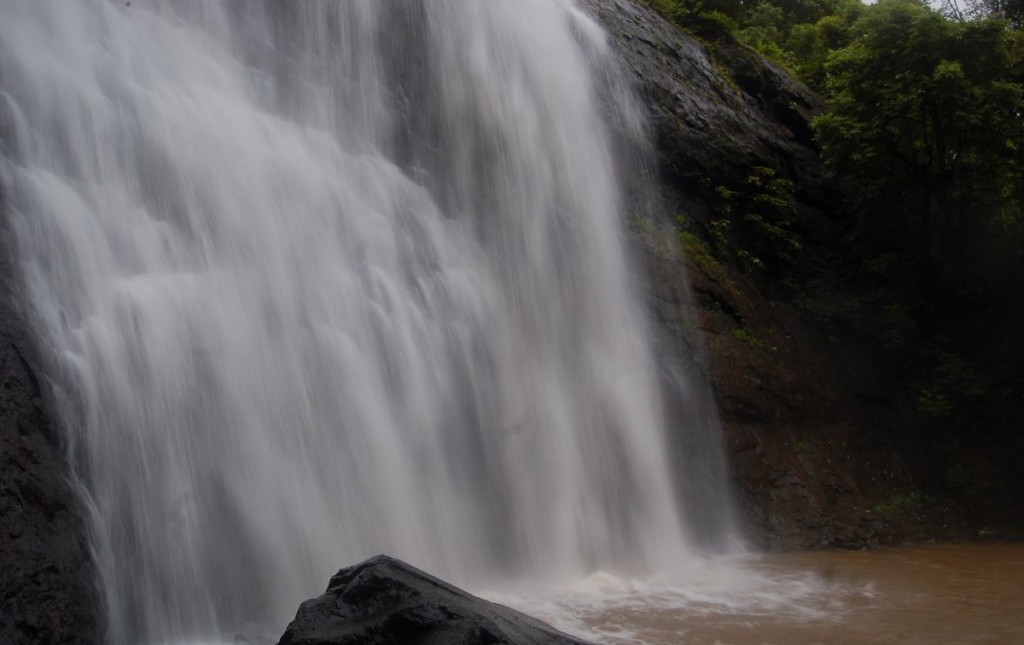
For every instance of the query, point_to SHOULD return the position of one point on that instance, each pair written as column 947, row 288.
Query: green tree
column 1010, row 10
column 926, row 123
column 810, row 43
column 765, row 28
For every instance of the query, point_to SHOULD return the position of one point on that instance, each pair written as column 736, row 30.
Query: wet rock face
column 386, row 601
column 47, row 580
column 810, row 420
column 46, row 576
column 710, row 118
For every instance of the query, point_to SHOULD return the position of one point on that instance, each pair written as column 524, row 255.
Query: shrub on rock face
column 386, row 601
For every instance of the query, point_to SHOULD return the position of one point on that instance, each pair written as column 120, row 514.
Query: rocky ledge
column 386, row 601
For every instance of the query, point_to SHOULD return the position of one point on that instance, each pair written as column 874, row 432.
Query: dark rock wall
column 811, row 420
column 46, row 574
column 712, row 118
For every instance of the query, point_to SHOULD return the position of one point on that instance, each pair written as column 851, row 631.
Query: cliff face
column 46, row 573
column 812, row 420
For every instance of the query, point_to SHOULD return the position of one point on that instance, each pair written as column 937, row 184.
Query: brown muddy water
column 919, row 595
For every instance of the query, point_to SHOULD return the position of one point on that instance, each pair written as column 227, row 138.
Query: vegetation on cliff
column 924, row 135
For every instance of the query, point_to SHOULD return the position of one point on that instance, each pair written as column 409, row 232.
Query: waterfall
column 321, row 280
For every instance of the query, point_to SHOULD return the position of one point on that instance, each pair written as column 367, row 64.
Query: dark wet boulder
column 386, row 601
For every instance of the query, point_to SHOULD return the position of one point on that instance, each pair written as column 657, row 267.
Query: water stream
column 320, row 280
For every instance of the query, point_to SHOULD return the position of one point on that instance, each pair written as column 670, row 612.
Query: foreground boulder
column 384, row 600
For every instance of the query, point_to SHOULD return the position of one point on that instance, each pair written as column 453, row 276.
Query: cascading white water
column 321, row 280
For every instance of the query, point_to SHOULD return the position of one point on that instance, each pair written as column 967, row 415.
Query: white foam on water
column 613, row 609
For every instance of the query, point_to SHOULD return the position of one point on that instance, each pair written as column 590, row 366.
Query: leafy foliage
column 1010, row 10
column 754, row 225
column 925, row 131
column 926, row 128
column 925, row 121
column 795, row 34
